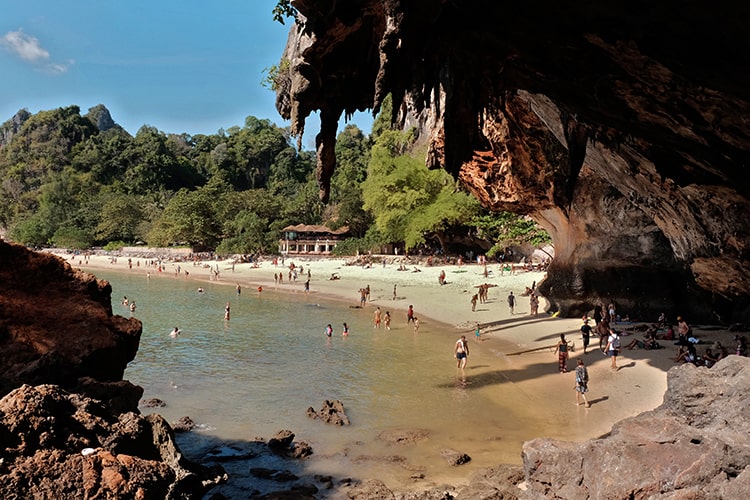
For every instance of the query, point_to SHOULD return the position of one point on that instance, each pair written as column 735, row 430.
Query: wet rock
column 332, row 412
column 183, row 424
column 454, row 457
column 301, row 450
column 372, row 489
column 153, row 403
column 281, row 441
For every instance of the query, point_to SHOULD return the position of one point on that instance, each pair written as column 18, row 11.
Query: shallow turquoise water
column 259, row 372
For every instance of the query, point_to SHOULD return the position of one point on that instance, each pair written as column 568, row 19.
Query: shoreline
column 519, row 348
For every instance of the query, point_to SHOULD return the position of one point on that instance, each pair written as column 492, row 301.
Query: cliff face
column 620, row 127
column 57, row 326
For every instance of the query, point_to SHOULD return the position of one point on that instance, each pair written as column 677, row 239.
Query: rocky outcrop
column 57, row 327
column 56, row 444
column 695, row 445
column 69, row 424
column 332, row 412
column 622, row 129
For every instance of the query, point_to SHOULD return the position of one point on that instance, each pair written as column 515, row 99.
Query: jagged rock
column 301, row 450
column 57, row 327
column 44, row 430
column 696, row 444
column 627, row 147
column 454, row 457
column 153, row 403
column 332, row 412
column 281, row 441
column 183, row 424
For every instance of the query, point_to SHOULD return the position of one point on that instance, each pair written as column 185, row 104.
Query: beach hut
column 310, row 239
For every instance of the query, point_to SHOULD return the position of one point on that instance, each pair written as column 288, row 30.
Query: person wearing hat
column 585, row 334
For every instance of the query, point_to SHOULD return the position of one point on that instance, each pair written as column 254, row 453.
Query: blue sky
column 189, row 66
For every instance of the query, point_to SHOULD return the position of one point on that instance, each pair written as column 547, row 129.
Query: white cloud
column 24, row 46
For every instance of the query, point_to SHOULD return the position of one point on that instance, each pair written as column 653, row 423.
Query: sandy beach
column 519, row 346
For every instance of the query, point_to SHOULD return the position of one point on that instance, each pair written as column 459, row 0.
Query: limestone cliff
column 621, row 127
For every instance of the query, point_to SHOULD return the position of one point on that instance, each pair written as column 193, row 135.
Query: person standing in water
column 461, row 352
column 387, row 320
column 329, row 330
column 238, row 288
column 477, row 332
column 376, row 318
column 174, row 333
column 345, row 333
column 226, row 312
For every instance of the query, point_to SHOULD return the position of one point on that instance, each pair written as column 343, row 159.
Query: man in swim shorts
column 461, row 352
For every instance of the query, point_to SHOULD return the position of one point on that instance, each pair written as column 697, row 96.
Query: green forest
column 81, row 181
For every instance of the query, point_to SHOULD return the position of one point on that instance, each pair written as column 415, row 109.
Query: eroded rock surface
column 695, row 445
column 621, row 128
column 57, row 327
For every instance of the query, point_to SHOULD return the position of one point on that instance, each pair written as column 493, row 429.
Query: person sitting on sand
column 334, row 276
column 709, row 358
column 686, row 354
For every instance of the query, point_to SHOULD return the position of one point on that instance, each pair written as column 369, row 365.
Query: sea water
column 259, row 372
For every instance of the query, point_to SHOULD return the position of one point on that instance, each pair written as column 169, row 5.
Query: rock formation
column 69, row 424
column 695, row 445
column 620, row 127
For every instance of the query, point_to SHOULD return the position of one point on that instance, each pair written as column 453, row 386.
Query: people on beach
column 345, row 333
column 461, row 352
column 511, row 302
column 585, row 334
column 362, row 297
column 534, row 304
column 441, row 278
column 582, row 383
column 416, row 324
column 239, row 289
column 328, row 330
column 562, row 354
column 394, row 292
column 613, row 347
column 387, row 320
column 474, row 302
column 307, row 286
column 410, row 314
column 226, row 311
column 376, row 318
column 477, row 332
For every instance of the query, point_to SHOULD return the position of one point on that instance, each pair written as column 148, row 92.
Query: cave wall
column 620, row 127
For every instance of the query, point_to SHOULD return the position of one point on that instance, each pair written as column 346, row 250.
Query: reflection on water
column 259, row 372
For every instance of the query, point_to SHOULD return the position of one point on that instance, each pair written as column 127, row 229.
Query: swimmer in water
column 200, row 290
column 174, row 333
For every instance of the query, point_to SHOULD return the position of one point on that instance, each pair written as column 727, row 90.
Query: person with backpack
column 582, row 383
column 613, row 347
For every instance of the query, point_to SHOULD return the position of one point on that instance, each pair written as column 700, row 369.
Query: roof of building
column 309, row 228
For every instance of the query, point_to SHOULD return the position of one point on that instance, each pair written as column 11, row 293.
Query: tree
column 409, row 202
column 352, row 156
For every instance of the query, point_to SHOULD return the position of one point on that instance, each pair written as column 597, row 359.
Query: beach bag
column 616, row 342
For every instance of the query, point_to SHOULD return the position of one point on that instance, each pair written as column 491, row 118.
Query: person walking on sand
column 585, row 334
column 394, row 292
column 474, row 302
column 562, row 354
column 226, row 312
column 416, row 324
column 410, row 314
column 461, row 352
column 613, row 348
column 582, row 383
column 376, row 318
column 511, row 302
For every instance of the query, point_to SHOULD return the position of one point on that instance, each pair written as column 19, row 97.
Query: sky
column 181, row 66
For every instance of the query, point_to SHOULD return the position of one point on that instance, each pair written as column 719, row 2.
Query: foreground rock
column 65, row 446
column 695, row 445
column 332, row 412
column 626, row 146
column 57, row 327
